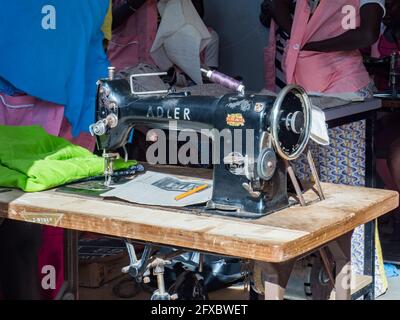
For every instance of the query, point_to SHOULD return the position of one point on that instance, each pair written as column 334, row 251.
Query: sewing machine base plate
column 96, row 188
column 241, row 214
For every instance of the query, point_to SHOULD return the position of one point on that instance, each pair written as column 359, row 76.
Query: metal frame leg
column 370, row 181
column 341, row 251
column 276, row 278
column 70, row 288
column 369, row 257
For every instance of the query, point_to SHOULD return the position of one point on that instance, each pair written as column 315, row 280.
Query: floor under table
column 233, row 293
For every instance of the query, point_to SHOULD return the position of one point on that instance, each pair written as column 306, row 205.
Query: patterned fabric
column 343, row 162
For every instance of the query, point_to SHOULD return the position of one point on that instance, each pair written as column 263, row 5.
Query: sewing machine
column 266, row 132
column 392, row 64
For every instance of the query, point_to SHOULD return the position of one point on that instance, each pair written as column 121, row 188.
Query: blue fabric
column 391, row 270
column 59, row 65
column 8, row 88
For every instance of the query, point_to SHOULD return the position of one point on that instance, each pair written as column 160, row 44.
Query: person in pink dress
column 388, row 133
column 322, row 44
column 316, row 44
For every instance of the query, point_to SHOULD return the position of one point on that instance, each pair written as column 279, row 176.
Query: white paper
column 158, row 189
column 319, row 129
column 181, row 37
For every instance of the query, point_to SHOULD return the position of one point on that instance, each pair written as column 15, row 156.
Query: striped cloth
column 281, row 40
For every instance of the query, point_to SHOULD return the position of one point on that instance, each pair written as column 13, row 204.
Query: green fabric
column 32, row 160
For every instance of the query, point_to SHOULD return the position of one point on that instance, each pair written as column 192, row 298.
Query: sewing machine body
column 246, row 184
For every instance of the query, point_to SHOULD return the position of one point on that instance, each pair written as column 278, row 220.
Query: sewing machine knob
column 99, row 128
column 295, row 122
column 112, row 120
column 266, row 165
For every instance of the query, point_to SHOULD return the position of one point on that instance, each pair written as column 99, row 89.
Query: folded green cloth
column 32, row 160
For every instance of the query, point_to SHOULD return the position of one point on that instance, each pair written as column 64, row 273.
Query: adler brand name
column 169, row 113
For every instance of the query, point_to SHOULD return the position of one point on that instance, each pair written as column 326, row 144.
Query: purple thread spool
column 224, row 80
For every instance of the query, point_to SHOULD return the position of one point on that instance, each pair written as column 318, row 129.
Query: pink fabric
column 84, row 140
column 26, row 110
column 269, row 59
column 23, row 111
column 385, row 47
column 335, row 72
column 375, row 50
column 52, row 254
column 131, row 43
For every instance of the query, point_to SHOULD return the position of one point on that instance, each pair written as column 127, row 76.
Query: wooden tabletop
column 279, row 237
column 352, row 109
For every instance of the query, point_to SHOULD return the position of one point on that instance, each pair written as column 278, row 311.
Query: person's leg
column 394, row 167
column 211, row 58
column 19, row 247
column 386, row 150
column 394, row 161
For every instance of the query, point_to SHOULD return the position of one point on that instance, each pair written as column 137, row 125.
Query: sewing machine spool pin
column 111, row 73
column 224, row 80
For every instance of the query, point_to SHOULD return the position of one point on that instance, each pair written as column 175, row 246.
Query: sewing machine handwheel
column 291, row 122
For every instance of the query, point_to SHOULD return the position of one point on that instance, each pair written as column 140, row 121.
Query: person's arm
column 123, row 12
column 199, row 5
column 265, row 15
column 364, row 36
column 280, row 11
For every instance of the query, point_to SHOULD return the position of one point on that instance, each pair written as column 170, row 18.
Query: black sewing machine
column 392, row 65
column 250, row 179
